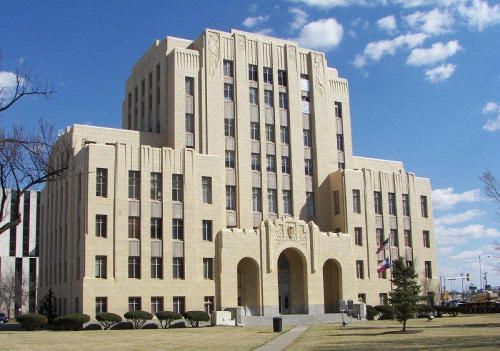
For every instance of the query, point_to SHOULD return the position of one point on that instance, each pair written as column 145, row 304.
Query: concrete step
column 298, row 319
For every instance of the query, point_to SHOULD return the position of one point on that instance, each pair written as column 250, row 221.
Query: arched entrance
column 248, row 286
column 292, row 282
column 332, row 285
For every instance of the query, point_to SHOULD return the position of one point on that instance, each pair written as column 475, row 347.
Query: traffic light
column 468, row 277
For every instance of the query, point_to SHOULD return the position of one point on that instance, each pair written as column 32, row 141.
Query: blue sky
column 424, row 82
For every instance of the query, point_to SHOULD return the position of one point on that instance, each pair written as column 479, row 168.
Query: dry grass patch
column 207, row 339
column 447, row 333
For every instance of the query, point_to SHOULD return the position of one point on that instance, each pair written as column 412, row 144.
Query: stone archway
column 248, row 286
column 292, row 282
column 332, row 285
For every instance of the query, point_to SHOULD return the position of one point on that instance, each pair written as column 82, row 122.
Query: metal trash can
column 277, row 324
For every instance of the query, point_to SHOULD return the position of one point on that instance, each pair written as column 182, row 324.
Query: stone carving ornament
column 320, row 74
column 213, row 52
column 290, row 231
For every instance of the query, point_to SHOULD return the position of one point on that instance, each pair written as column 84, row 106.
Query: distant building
column 231, row 183
column 19, row 250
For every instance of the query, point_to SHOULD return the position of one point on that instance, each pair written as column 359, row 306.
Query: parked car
column 3, row 318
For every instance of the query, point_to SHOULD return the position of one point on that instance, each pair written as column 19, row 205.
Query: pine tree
column 48, row 306
column 406, row 291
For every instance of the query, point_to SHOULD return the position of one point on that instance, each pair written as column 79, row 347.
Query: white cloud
column 299, row 17
column 492, row 124
column 458, row 217
column 444, row 250
column 374, row 51
column 479, row 14
column 433, row 22
column 327, row 4
column 322, row 34
column 440, row 73
column 387, row 23
column 8, row 82
column 461, row 235
column 264, row 31
column 251, row 22
column 446, row 198
column 436, row 53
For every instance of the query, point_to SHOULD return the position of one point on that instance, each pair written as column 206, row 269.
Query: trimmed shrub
column 93, row 326
column 150, row 326
column 32, row 321
column 122, row 326
column 138, row 318
column 108, row 319
column 195, row 317
column 167, row 317
column 424, row 310
column 73, row 321
column 371, row 312
column 385, row 311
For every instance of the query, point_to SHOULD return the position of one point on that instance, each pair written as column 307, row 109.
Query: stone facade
column 231, row 183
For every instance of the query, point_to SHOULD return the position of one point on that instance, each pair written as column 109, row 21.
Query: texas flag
column 383, row 246
column 383, row 266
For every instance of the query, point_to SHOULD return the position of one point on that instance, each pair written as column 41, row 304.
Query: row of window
column 358, row 237
column 253, row 73
column 360, row 270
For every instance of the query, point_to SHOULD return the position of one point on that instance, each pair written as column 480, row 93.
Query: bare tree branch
column 491, row 189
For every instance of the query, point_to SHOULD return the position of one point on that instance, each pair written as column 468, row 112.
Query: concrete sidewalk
column 283, row 340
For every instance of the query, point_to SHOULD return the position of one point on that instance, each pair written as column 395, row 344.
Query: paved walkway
column 283, row 340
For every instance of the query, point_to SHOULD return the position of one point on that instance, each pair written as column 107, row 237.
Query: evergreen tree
column 48, row 306
column 406, row 291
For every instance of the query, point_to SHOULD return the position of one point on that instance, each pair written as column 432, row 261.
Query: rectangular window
column 230, row 197
column 307, row 137
column 379, row 236
column 285, row 136
column 179, row 304
column 394, row 237
column 254, row 96
column 377, row 198
column 177, row 229
column 177, row 187
column 207, row 230
column 356, row 201
column 392, row 204
column 336, row 202
column 156, row 268
column 189, row 123
column 285, row 164
column 268, row 75
column 101, row 305
column 134, row 304
column 282, row 78
column 268, row 98
column 156, row 186
column 206, row 188
column 189, row 86
column 271, row 200
column 310, row 204
column 358, row 236
column 406, row 205
column 383, row 299
column 101, row 267
column 253, row 73
column 270, row 132
column 427, row 238
column 340, row 142
column 423, row 206
column 287, row 201
column 208, row 303
column 228, row 68
column 134, row 185
column 360, row 274
column 101, row 182
column 178, row 267
column 229, row 127
column 229, row 159
column 308, row 167
column 134, row 228
column 362, row 298
column 255, row 158
column 407, row 238
column 257, row 199
column 338, row 109
column 254, row 131
column 228, row 92
column 101, row 226
column 134, row 267
column 428, row 269
column 156, row 304
column 156, row 228
column 208, row 268
column 283, row 97
column 271, row 163
column 341, row 166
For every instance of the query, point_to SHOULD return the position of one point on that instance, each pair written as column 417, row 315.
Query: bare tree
column 13, row 292
column 491, row 189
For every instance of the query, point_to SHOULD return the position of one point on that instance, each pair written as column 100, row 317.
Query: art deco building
column 232, row 182
column 19, row 253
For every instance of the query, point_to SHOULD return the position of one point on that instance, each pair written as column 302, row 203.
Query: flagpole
column 390, row 256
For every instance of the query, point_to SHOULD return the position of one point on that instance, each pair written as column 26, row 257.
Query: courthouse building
column 232, row 183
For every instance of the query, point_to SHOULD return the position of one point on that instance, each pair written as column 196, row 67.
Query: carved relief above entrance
column 290, row 230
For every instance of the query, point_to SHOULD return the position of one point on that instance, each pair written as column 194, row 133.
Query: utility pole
column 480, row 274
column 462, row 275
column 485, row 279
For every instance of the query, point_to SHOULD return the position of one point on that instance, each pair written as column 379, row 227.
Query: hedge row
column 423, row 310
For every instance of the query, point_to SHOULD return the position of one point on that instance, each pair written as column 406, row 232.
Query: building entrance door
column 292, row 282
column 284, row 285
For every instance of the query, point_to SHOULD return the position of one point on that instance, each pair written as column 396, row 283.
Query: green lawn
column 481, row 332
